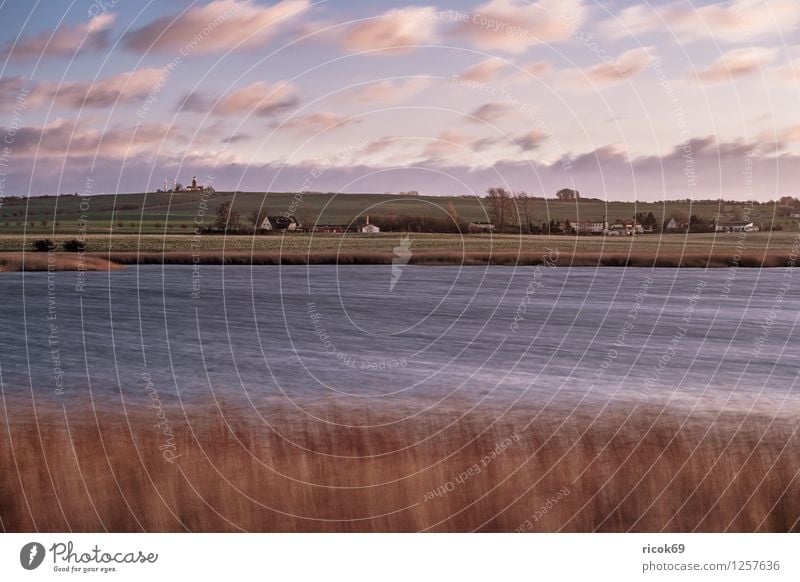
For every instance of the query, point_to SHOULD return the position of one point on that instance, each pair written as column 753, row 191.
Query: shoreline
column 38, row 262
column 98, row 261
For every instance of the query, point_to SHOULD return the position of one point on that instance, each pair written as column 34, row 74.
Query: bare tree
column 227, row 218
column 524, row 207
column 499, row 199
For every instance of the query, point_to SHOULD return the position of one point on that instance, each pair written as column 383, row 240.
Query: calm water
column 689, row 337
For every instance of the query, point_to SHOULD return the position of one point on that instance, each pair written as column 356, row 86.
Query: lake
column 417, row 335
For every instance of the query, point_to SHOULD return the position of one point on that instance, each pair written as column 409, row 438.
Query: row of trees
column 514, row 212
column 404, row 223
column 510, row 210
column 228, row 219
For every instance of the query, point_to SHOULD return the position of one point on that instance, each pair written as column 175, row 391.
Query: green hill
column 177, row 213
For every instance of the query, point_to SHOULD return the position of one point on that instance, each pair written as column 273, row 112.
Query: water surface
column 539, row 336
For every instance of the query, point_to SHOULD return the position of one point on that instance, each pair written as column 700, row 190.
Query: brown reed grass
column 14, row 262
column 285, row 471
column 11, row 262
column 649, row 258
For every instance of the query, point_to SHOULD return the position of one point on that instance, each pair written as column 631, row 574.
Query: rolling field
column 176, row 213
column 763, row 249
column 155, row 228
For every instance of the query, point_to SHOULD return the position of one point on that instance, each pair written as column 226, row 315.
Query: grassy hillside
column 177, row 213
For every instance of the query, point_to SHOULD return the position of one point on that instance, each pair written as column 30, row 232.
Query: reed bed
column 650, row 258
column 14, row 262
column 280, row 469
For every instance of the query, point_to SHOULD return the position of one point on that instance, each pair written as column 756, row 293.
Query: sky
column 621, row 100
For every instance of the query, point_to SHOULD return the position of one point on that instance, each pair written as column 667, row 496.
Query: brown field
column 286, row 471
column 650, row 244
column 761, row 249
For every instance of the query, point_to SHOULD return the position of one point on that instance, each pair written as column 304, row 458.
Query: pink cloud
column 395, row 31
column 72, row 137
column 789, row 73
column 318, row 122
column 237, row 138
column 216, row 27
column 613, row 72
column 515, row 25
column 63, row 42
column 491, row 113
column 736, row 63
column 388, row 90
column 484, row 71
column 447, row 144
column 531, row 71
column 256, row 99
column 730, row 20
column 452, row 143
column 531, row 140
column 606, row 172
column 12, row 93
column 123, row 88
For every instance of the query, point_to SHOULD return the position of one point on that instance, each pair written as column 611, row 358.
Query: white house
column 735, row 227
column 478, row 227
column 369, row 228
column 279, row 223
column 624, row 228
column 674, row 225
column 589, row 227
column 634, row 227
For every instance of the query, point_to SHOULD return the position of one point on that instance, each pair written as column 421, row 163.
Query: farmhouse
column 735, row 227
column 589, row 227
column 625, row 228
column 477, row 227
column 675, row 225
column 369, row 228
column 281, row 223
column 331, row 228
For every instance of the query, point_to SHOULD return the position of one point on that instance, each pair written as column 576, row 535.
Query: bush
column 43, row 245
column 74, row 246
column 403, row 223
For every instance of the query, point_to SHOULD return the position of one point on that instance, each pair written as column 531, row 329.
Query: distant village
column 509, row 213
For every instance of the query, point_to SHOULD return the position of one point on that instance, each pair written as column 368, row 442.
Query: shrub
column 74, row 246
column 43, row 245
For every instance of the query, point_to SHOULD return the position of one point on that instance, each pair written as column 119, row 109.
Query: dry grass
column 761, row 249
column 13, row 262
column 289, row 472
column 725, row 243
column 649, row 258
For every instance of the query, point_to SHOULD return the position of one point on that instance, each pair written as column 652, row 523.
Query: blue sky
column 619, row 99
